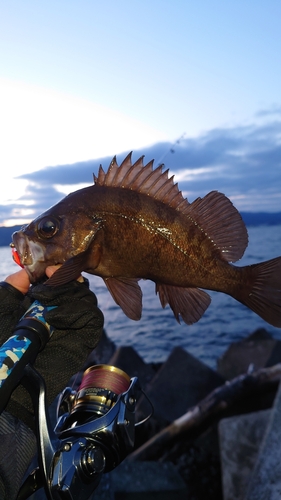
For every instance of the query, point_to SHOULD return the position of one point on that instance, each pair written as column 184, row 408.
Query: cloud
column 243, row 162
column 35, row 200
column 75, row 173
column 274, row 110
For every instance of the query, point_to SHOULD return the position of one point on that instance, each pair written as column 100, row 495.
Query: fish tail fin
column 263, row 293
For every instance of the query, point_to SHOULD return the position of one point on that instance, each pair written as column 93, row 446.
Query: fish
column 133, row 223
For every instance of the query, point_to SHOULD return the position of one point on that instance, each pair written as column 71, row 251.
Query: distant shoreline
column 250, row 219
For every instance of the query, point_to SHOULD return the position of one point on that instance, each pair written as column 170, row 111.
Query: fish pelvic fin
column 263, row 294
column 187, row 303
column 221, row 222
column 143, row 179
column 127, row 294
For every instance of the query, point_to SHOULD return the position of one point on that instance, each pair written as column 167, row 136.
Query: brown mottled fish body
column 134, row 223
column 156, row 241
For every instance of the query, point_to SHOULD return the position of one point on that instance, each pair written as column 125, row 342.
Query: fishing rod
column 171, row 149
column 95, row 425
column 30, row 336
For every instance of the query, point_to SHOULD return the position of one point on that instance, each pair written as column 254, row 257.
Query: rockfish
column 134, row 223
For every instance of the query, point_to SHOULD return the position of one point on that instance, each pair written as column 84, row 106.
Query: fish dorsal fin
column 114, row 172
column 127, row 294
column 221, row 222
column 143, row 179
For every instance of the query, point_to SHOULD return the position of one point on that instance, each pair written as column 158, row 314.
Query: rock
column 148, row 481
column 258, row 350
column 104, row 491
column 240, row 438
column 128, row 360
column 180, row 383
column 265, row 483
column 99, row 356
column 199, row 465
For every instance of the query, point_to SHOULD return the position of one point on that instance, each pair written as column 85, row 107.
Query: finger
column 50, row 270
column 19, row 280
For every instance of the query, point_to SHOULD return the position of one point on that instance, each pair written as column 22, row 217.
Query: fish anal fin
column 187, row 303
column 143, row 179
column 221, row 222
column 127, row 294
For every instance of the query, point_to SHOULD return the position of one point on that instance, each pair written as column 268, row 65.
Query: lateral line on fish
column 201, row 229
column 162, row 231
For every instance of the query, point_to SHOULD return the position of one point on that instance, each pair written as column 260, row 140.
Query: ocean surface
column 157, row 333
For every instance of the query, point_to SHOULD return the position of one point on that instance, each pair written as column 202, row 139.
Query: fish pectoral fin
column 69, row 271
column 74, row 266
column 189, row 303
column 127, row 294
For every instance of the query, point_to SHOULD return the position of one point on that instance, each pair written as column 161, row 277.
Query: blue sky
column 82, row 81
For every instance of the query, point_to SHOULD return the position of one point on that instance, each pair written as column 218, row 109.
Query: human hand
column 20, row 279
column 78, row 324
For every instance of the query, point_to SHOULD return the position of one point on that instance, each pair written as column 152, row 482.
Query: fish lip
column 31, row 255
column 21, row 244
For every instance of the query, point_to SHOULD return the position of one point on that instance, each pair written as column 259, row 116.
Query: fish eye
column 47, row 227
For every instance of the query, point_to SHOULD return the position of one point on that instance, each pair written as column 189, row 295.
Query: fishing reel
column 94, row 433
column 95, row 425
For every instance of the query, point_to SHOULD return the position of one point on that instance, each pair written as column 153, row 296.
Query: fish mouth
column 31, row 254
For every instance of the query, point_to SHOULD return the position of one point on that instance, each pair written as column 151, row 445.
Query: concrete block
column 147, row 481
column 180, row 383
column 128, row 360
column 258, row 350
column 240, row 438
column 100, row 355
column 265, row 482
column 104, row 491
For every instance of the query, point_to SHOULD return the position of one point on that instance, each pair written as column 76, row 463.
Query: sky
column 195, row 85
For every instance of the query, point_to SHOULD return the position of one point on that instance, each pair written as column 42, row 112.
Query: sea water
column 157, row 333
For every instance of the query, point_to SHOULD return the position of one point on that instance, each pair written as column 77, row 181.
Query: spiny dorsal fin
column 145, row 180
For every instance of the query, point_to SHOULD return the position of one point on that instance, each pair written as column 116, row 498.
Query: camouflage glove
column 78, row 324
